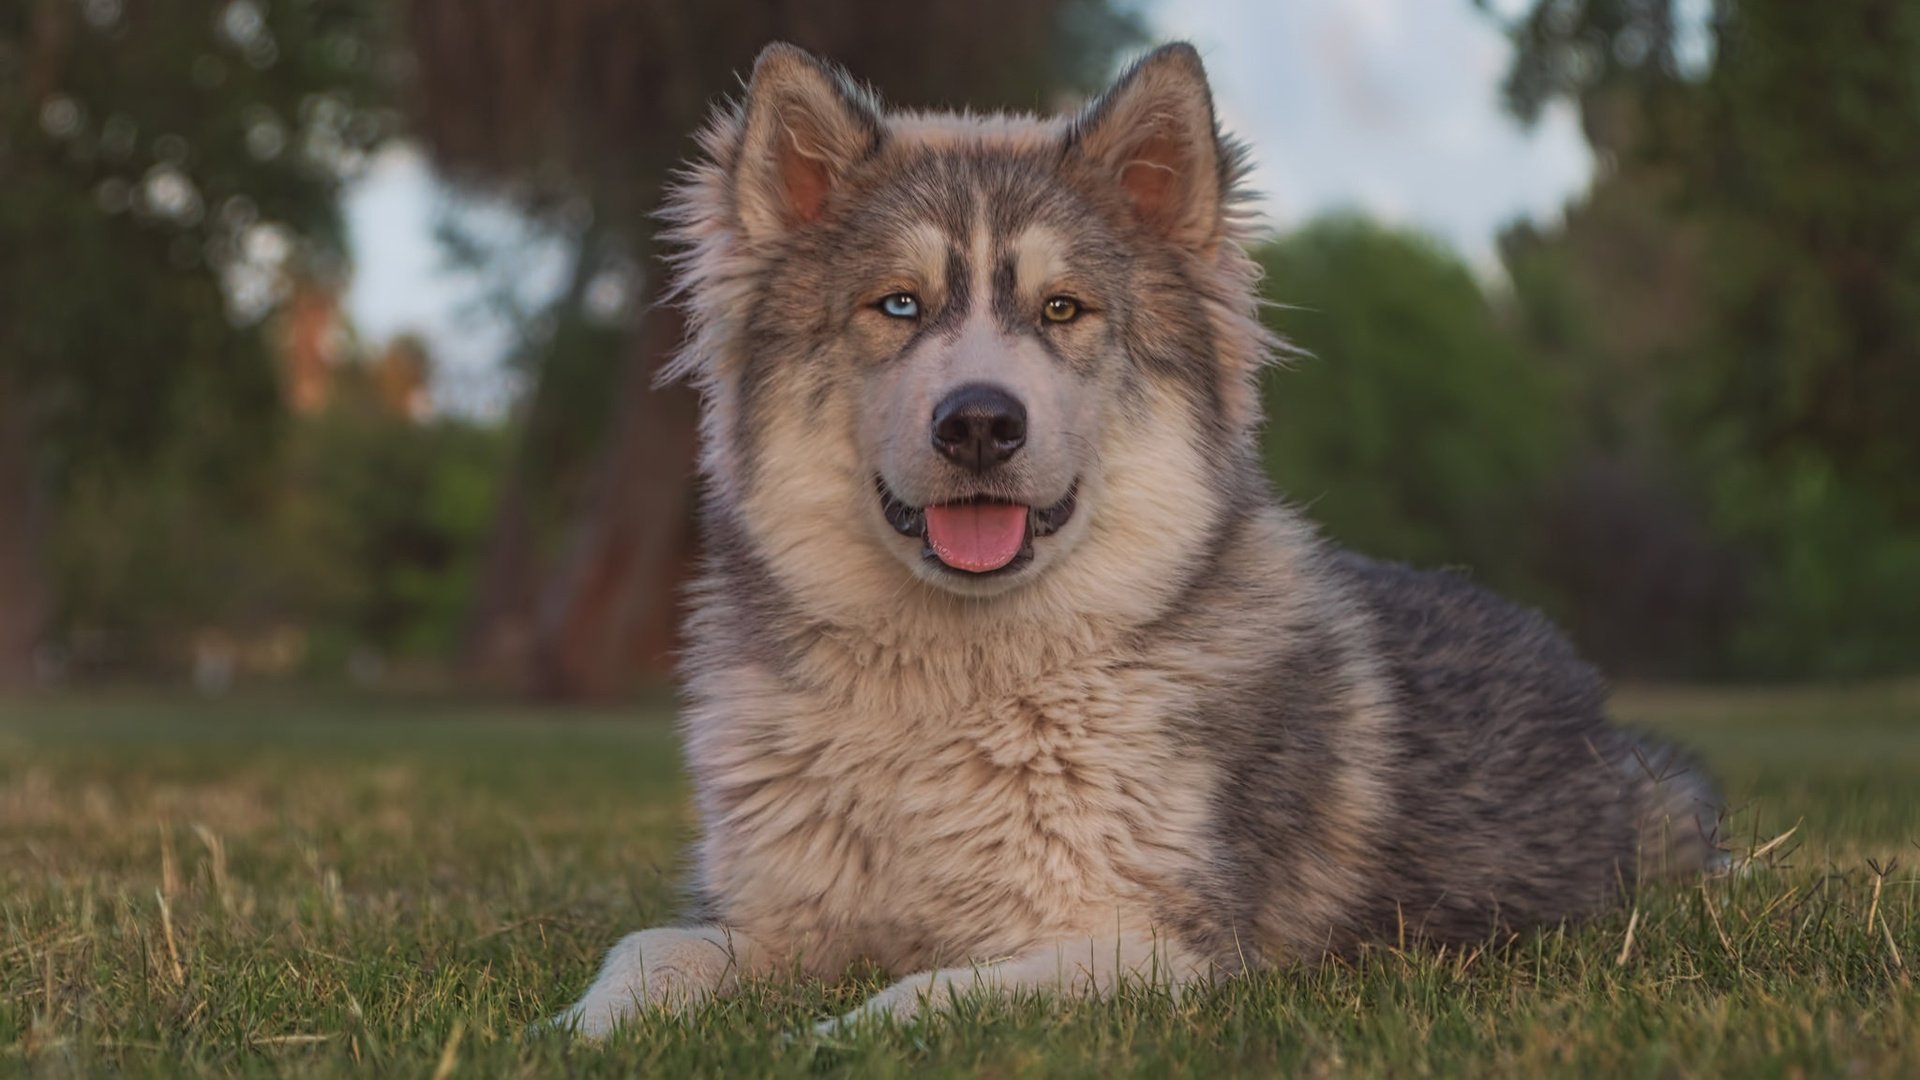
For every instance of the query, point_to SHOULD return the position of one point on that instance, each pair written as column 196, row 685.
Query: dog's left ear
column 806, row 124
column 1154, row 133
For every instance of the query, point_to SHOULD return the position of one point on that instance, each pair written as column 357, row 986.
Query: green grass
column 327, row 886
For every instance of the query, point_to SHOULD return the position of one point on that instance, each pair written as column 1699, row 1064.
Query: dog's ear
column 1153, row 132
column 805, row 125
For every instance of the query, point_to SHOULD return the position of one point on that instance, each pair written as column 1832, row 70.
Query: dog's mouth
column 976, row 535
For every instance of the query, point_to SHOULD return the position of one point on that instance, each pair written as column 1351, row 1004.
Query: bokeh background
column 327, row 336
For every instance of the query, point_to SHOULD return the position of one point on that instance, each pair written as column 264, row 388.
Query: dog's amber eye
column 1060, row 309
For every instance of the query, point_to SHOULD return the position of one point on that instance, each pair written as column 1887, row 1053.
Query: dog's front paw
column 608, row 1005
column 588, row 1018
column 665, row 969
column 596, row 1016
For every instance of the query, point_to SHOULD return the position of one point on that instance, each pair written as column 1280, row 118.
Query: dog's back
column 1519, row 802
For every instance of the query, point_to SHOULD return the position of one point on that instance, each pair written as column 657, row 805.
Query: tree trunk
column 497, row 645
column 610, row 609
column 499, row 633
column 23, row 590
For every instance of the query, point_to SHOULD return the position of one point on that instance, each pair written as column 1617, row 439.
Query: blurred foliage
column 1428, row 420
column 363, row 538
column 1742, row 289
column 1609, row 301
column 171, row 157
column 1410, row 423
column 163, row 167
column 1810, row 375
column 405, row 506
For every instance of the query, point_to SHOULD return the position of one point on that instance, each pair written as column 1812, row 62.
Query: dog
column 1006, row 672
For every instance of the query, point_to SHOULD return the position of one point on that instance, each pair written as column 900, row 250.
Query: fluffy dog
column 1007, row 671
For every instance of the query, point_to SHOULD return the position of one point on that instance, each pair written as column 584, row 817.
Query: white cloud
column 402, row 283
column 1390, row 106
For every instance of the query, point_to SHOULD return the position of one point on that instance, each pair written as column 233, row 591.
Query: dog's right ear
column 806, row 125
column 1153, row 133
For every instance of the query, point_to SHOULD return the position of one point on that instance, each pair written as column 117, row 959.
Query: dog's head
column 973, row 351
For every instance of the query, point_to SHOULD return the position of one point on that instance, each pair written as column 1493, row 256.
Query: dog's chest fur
column 888, row 827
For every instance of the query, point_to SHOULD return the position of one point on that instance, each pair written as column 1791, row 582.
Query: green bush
column 1409, row 423
column 362, row 537
column 1835, row 584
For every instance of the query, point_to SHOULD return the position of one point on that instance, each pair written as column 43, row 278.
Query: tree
column 578, row 109
column 1780, row 165
column 1810, row 377
column 23, row 590
column 1409, row 421
column 157, row 159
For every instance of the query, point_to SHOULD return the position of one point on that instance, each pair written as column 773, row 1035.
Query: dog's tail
column 1680, row 810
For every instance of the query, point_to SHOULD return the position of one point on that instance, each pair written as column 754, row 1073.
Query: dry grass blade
column 1718, row 929
column 1626, row 946
column 169, row 866
column 1761, row 852
column 1873, row 908
column 289, row 1040
column 216, row 864
column 450, row 1054
column 44, row 942
column 177, row 970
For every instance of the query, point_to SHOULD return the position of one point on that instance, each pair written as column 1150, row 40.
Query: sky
column 1387, row 107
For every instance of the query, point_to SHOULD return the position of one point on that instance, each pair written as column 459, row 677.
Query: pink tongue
column 977, row 536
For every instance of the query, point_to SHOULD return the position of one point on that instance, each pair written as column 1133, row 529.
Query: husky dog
column 1007, row 673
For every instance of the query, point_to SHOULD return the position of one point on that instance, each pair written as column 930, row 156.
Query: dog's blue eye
column 901, row 305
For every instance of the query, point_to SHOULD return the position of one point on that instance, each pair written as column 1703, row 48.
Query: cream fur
column 1001, row 754
column 1091, row 966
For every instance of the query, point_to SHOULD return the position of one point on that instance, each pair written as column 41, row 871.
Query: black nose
column 979, row 426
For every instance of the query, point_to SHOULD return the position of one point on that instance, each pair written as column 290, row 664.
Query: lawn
column 327, row 885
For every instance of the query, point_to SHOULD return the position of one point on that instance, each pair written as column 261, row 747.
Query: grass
column 327, row 886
